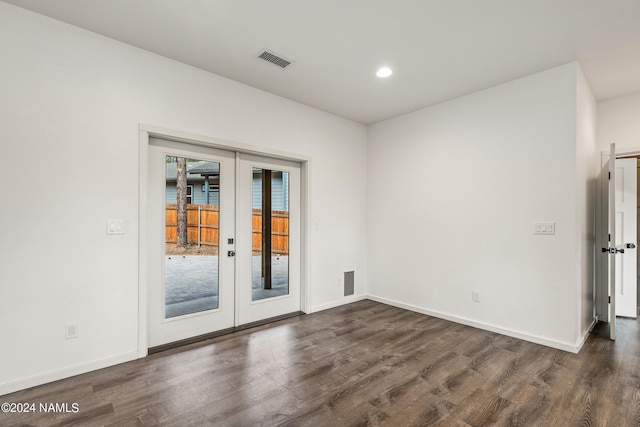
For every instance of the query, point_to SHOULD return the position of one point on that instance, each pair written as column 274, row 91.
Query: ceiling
column 438, row 49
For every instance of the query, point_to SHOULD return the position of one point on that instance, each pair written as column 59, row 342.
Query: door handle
column 631, row 245
column 614, row 251
column 231, row 253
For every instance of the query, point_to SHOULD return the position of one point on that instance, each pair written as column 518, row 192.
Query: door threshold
column 266, row 321
column 227, row 331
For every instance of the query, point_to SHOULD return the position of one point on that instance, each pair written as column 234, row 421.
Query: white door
column 626, row 237
column 268, row 230
column 605, row 292
column 612, row 250
column 190, row 288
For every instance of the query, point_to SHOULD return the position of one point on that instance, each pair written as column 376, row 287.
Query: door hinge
column 609, row 300
column 609, row 175
column 609, row 236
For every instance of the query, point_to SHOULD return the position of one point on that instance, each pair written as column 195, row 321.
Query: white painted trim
column 236, row 264
column 305, row 237
column 206, row 141
column 621, row 152
column 573, row 348
column 58, row 374
column 333, row 304
column 143, row 173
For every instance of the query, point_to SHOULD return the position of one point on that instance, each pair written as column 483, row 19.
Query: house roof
column 195, row 170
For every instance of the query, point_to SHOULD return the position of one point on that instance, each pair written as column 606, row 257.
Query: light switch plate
column 115, row 226
column 547, row 228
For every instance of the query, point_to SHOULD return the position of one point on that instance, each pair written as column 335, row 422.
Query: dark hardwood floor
column 361, row 364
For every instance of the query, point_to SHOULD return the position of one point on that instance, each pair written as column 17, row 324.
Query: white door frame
column 601, row 291
column 145, row 132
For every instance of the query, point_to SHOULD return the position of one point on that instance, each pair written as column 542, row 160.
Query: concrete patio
column 192, row 282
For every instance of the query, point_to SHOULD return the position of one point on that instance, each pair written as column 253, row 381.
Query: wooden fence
column 279, row 232
column 202, row 227
column 202, row 224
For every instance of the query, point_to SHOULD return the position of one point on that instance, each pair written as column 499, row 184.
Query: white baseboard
column 573, row 348
column 58, row 374
column 47, row 377
column 337, row 303
column 585, row 334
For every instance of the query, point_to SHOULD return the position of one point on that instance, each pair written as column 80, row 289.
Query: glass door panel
column 192, row 239
column 270, row 239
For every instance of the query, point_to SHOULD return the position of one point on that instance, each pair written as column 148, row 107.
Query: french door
column 268, row 229
column 223, row 240
column 190, row 283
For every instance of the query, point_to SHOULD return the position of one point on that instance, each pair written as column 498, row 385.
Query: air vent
column 348, row 283
column 274, row 58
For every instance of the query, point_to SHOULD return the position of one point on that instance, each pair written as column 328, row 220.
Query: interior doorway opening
column 617, row 238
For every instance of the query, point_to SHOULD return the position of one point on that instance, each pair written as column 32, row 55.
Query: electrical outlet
column 475, row 296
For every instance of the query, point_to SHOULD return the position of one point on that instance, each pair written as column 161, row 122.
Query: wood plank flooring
column 361, row 364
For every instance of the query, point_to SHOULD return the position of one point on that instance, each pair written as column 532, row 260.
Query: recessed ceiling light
column 384, row 72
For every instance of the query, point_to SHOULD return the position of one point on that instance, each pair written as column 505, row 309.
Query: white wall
column 588, row 162
column 619, row 123
column 71, row 105
column 454, row 191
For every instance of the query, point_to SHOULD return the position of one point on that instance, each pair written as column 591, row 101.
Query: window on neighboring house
column 189, row 194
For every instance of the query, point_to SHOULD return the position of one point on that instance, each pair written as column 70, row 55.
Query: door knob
column 614, row 250
column 231, row 253
column 631, row 245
